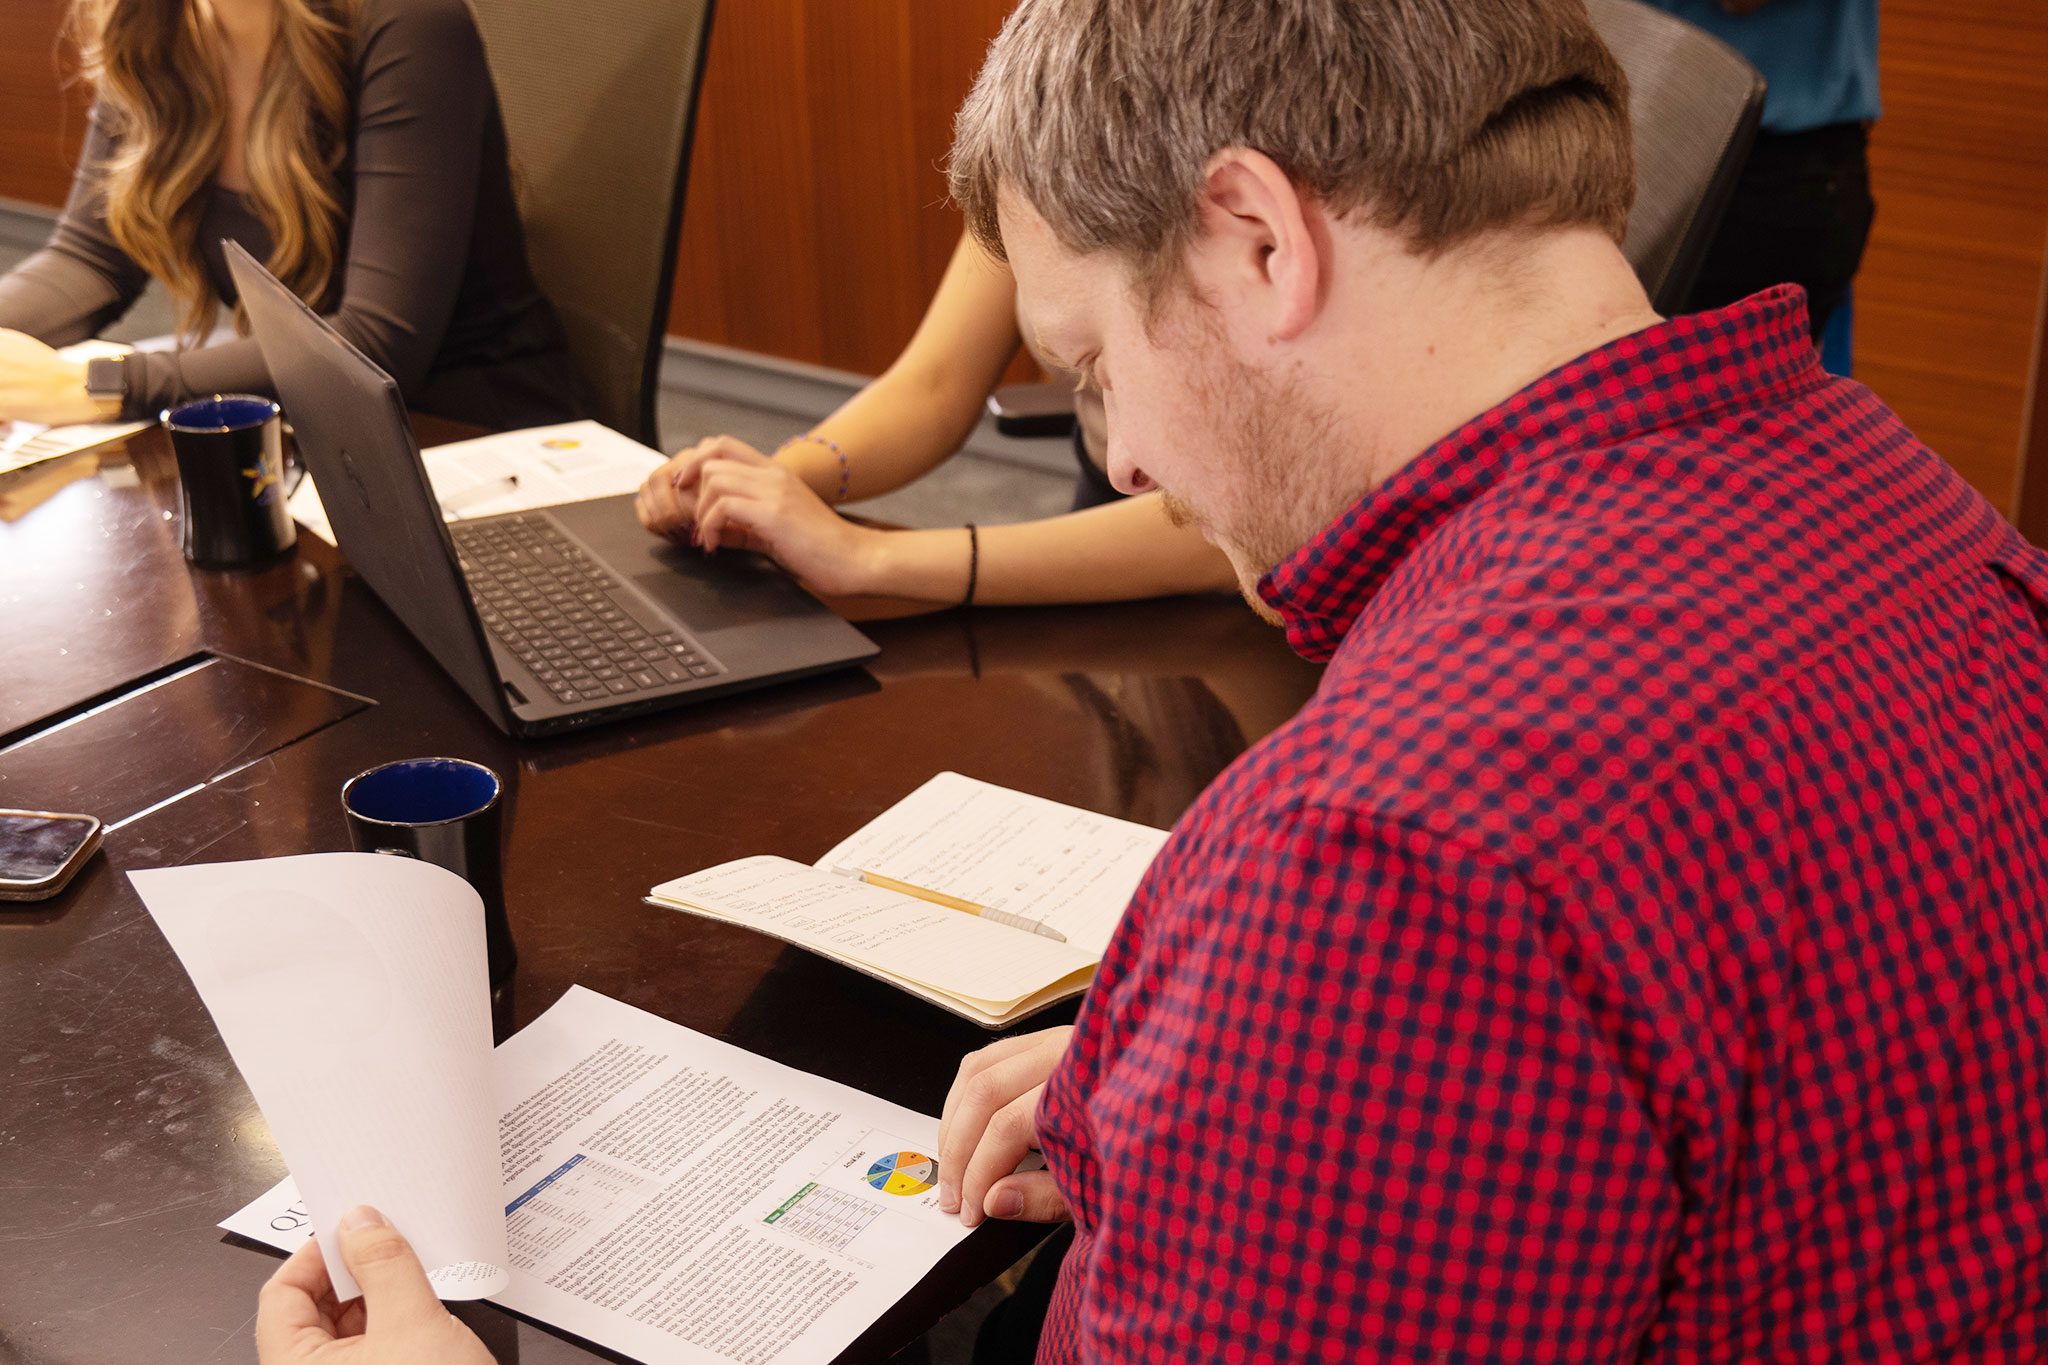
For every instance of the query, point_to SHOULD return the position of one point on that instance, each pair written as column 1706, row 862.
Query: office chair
column 1694, row 105
column 600, row 103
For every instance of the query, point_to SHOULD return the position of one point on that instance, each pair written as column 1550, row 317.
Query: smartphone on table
column 40, row 851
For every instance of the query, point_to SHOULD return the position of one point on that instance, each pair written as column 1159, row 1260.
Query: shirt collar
column 1741, row 356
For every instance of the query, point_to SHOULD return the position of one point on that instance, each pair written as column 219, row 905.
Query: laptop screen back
column 352, row 433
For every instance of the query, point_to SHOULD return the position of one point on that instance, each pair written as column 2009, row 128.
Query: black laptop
column 553, row 618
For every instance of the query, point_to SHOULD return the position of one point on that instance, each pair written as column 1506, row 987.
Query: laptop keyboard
column 565, row 616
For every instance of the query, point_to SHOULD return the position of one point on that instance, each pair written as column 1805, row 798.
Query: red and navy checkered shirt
column 1638, row 948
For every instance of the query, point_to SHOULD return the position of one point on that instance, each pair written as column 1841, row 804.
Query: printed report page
column 682, row 1200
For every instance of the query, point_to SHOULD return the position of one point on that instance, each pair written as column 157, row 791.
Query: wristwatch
column 106, row 379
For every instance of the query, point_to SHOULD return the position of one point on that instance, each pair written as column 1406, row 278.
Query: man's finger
column 1012, row 1132
column 1027, row 1197
column 288, row 1306
column 974, row 1103
column 395, row 1288
column 974, row 1063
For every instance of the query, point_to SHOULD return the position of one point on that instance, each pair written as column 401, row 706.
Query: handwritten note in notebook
column 1070, row 869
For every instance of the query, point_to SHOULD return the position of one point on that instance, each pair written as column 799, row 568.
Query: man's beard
column 1280, row 445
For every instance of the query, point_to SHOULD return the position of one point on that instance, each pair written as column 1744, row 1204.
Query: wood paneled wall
column 816, row 225
column 41, row 123
column 1947, row 301
column 2031, row 498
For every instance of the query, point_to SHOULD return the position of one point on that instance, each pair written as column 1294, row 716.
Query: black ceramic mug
column 230, row 450
column 442, row 811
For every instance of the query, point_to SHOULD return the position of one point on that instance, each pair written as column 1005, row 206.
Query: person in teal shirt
column 1802, row 210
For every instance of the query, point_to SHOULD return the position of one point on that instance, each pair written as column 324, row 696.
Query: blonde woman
column 353, row 145
column 911, row 419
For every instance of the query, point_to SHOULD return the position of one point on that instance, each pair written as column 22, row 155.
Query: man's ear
column 1260, row 245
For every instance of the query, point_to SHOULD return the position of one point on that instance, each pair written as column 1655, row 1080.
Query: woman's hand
column 724, row 493
column 764, row 506
column 38, row 385
column 667, row 502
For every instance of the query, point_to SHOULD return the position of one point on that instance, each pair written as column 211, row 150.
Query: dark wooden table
column 125, row 1130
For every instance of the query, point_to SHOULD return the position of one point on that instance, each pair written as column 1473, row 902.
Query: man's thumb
column 395, row 1288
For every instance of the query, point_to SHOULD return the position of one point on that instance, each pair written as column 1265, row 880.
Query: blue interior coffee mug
column 230, row 450
column 443, row 811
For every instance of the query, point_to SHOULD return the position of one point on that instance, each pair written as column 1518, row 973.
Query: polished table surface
column 125, row 1130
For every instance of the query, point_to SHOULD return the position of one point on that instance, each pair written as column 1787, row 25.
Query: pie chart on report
column 904, row 1173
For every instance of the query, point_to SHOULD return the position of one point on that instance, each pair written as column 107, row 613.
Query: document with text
column 679, row 1199
column 515, row 471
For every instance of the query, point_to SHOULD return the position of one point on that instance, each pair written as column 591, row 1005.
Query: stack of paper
column 604, row 1171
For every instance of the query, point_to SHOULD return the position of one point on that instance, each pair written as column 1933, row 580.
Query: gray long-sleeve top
column 435, row 287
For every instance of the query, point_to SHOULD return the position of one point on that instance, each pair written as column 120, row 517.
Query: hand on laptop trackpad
column 720, row 593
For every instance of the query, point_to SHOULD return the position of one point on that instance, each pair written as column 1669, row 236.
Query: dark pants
column 1009, row 1334
column 1800, row 214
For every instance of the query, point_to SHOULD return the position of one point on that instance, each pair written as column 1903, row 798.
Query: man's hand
column 397, row 1321
column 38, row 385
column 990, row 1122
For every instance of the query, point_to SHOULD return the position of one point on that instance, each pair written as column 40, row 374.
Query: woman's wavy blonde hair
column 154, row 66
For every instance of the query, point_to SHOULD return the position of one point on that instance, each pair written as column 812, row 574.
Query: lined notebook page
column 991, row 965
column 1010, row 851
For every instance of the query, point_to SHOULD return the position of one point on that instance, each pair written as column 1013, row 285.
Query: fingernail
column 949, row 1197
column 361, row 1216
column 1006, row 1204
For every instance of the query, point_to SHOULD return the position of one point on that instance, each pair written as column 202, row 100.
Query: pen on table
column 464, row 498
column 1029, row 926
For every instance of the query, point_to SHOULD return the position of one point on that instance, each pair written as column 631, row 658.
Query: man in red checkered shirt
column 1638, row 948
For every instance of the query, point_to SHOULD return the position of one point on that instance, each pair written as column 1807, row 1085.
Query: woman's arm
column 78, row 283
column 923, row 407
column 1117, row 552
column 81, row 281
column 1113, row 553
column 899, row 427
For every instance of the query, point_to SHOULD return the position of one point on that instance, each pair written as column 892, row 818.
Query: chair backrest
column 600, row 102
column 1695, row 103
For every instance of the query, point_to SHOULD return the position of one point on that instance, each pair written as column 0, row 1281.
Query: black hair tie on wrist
column 973, row 563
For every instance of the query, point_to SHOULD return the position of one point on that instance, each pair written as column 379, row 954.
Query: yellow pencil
column 1029, row 926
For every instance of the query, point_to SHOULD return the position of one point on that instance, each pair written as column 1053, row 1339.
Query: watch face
column 107, row 376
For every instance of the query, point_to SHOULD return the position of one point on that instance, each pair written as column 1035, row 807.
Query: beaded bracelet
column 845, row 472
column 973, row 563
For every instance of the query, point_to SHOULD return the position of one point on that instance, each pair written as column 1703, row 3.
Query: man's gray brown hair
column 1439, row 119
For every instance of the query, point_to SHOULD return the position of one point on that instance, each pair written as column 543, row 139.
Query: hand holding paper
column 398, row 1320
column 351, row 990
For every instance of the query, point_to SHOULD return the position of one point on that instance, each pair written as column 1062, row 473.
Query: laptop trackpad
column 729, row 590
column 711, row 594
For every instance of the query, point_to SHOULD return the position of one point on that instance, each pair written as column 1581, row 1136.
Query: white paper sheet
column 684, row 1201
column 25, row 443
column 1008, row 850
column 515, row 471
column 353, row 993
